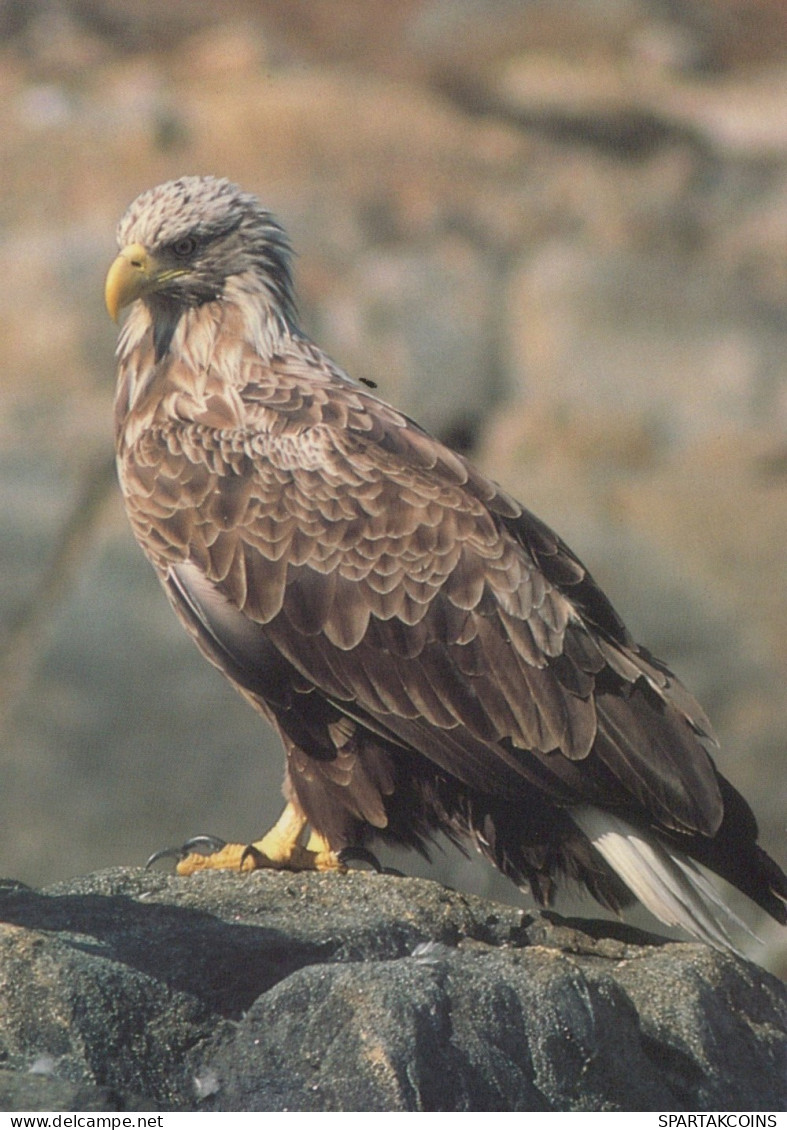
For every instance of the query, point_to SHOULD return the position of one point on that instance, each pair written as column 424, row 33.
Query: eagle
column 433, row 657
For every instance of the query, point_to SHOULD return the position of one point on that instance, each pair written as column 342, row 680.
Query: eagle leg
column 279, row 849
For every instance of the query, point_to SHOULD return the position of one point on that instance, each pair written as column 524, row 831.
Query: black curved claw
column 250, row 852
column 203, row 845
column 164, row 853
column 350, row 855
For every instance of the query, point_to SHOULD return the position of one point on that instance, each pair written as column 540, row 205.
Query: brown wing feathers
column 366, row 539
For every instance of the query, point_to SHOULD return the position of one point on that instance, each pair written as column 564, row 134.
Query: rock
column 277, row 991
column 636, row 108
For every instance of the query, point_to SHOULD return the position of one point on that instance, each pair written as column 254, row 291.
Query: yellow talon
column 279, row 849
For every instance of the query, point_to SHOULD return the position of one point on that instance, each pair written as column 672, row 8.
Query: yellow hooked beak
column 134, row 274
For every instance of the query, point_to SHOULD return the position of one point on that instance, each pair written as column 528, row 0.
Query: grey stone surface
column 275, row 991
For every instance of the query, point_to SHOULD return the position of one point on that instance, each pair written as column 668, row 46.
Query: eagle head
column 182, row 241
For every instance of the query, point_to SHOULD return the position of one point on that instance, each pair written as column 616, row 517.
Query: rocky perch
column 274, row 991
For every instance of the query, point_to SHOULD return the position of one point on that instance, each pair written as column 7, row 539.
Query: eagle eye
column 184, row 247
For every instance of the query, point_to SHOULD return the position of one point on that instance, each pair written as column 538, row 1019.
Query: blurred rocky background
column 555, row 231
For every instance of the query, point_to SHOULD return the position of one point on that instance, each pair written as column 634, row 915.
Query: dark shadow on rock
column 225, row 965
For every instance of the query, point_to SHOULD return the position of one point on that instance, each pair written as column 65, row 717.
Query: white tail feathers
column 664, row 880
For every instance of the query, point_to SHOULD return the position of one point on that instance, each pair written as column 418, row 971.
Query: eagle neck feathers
column 167, row 354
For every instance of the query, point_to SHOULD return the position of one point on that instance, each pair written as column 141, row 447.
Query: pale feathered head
column 182, row 241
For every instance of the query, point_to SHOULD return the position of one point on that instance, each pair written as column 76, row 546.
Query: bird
column 434, row 658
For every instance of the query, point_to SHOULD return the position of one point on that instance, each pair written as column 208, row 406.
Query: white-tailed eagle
column 432, row 655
